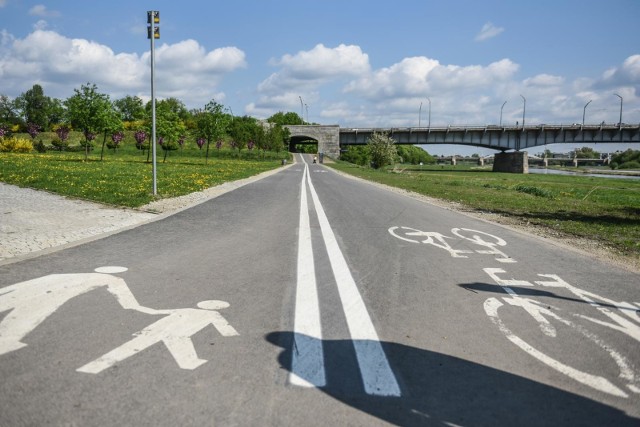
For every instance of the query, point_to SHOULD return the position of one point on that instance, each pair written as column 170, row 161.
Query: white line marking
column 376, row 373
column 491, row 306
column 307, row 362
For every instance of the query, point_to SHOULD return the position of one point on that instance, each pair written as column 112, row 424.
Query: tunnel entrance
column 303, row 144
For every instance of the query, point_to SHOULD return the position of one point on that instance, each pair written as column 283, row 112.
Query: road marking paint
column 491, row 306
column 377, row 376
column 307, row 362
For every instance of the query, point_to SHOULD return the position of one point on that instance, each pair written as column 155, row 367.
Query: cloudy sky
column 357, row 63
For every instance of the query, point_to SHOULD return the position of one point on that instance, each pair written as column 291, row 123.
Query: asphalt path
column 311, row 298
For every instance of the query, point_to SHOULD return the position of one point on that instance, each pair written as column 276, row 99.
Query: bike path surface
column 445, row 346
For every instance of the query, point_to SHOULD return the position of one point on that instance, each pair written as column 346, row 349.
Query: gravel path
column 34, row 222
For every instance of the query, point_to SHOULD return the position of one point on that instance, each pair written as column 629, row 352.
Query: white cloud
column 421, row 76
column 41, row 10
column 308, row 69
column 488, row 31
column 544, row 80
column 40, row 25
column 185, row 69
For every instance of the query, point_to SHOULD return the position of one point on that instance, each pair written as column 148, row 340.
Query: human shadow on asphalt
column 437, row 389
column 526, row 292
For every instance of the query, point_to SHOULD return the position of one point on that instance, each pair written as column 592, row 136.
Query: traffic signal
column 153, row 18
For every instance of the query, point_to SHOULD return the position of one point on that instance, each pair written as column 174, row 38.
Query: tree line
column 93, row 113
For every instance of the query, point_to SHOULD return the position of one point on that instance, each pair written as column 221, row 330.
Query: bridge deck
column 499, row 137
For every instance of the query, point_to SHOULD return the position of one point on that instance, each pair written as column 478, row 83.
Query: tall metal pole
column 306, row 107
column 619, row 121
column 524, row 109
column 152, row 14
column 428, row 99
column 301, row 110
column 501, row 108
column 419, row 114
column 584, row 110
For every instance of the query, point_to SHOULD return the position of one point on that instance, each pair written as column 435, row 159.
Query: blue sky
column 354, row 63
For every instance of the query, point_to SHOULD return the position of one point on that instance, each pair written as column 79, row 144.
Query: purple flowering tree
column 200, row 142
column 141, row 137
column 33, row 130
column 63, row 137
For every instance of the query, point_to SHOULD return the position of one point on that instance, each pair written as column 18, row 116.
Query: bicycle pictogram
column 489, row 242
column 622, row 317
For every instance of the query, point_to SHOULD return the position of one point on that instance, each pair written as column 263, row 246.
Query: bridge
column 331, row 139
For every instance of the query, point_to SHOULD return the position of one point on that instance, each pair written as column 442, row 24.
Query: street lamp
column 301, row 109
column 153, row 32
column 584, row 110
column 307, row 108
column 419, row 113
column 429, row 111
column 501, row 108
column 619, row 121
column 524, row 109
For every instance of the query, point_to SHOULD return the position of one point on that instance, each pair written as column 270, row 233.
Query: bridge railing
column 500, row 137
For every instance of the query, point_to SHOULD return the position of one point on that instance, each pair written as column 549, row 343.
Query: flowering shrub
column 200, row 142
column 250, row 145
column 33, row 130
column 116, row 139
column 63, row 133
column 141, row 138
column 219, row 144
column 15, row 145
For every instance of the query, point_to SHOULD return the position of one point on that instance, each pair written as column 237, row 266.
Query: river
column 545, row 171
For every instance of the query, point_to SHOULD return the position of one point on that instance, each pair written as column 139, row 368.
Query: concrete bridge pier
column 480, row 161
column 454, row 161
column 513, row 162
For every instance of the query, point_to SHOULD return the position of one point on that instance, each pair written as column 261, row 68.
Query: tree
column 89, row 111
column 243, row 129
column 8, row 111
column 131, row 108
column 382, row 150
column 283, row 119
column 169, row 126
column 34, row 106
column 211, row 123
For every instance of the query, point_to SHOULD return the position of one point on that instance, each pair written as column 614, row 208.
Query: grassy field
column 602, row 209
column 124, row 178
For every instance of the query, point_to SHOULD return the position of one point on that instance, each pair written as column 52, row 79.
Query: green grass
column 603, row 209
column 124, row 178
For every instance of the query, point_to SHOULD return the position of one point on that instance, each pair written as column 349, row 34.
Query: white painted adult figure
column 31, row 302
column 175, row 331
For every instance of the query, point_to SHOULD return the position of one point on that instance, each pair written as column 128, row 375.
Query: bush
column 59, row 144
column 534, row 191
column 40, row 147
column 633, row 164
column 15, row 145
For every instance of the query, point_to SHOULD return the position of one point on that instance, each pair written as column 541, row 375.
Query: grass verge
column 600, row 209
column 125, row 178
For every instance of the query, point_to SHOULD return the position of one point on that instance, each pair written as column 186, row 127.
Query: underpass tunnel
column 299, row 144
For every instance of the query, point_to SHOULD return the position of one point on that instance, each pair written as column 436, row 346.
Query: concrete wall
column 513, row 162
column 328, row 137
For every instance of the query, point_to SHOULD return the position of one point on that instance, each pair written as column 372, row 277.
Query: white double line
column 307, row 365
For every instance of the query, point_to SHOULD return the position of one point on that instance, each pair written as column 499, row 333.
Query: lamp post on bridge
column 429, row 99
column 524, row 109
column 501, row 108
column 619, row 121
column 419, row 113
column 584, row 110
column 301, row 109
